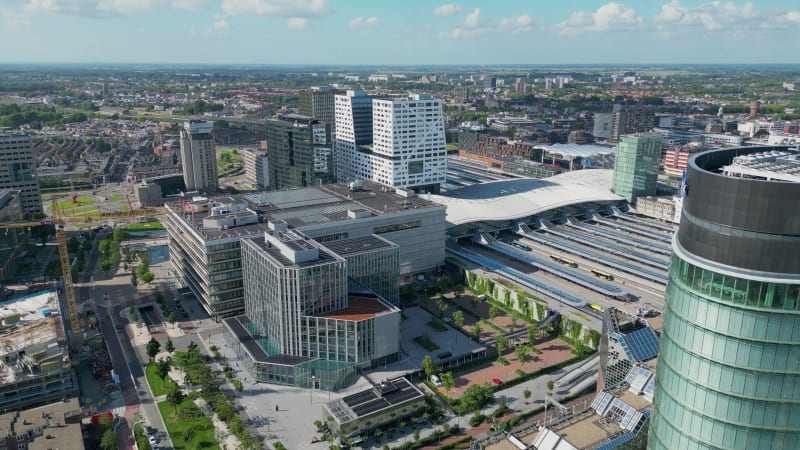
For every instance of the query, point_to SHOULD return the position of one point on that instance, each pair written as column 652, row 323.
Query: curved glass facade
column 728, row 374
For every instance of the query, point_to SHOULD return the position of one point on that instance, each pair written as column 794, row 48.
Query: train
column 521, row 246
column 603, row 275
column 564, row 261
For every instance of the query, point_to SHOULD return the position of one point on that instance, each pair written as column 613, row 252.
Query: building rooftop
column 514, row 199
column 317, row 256
column 361, row 307
column 777, row 165
column 57, row 425
column 32, row 339
column 241, row 327
column 352, row 246
column 385, row 395
column 577, row 150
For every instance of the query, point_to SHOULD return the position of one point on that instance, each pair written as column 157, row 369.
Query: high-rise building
column 300, row 152
column 199, row 156
column 18, row 171
column 602, row 126
column 636, row 165
column 461, row 94
column 406, row 147
column 728, row 371
column 12, row 240
column 631, row 119
column 318, row 102
column 256, row 167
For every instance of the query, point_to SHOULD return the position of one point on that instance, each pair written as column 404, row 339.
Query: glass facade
column 636, row 165
column 728, row 375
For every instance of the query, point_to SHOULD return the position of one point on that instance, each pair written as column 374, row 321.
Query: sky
column 399, row 32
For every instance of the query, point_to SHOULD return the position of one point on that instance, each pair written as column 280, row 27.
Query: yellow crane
column 66, row 269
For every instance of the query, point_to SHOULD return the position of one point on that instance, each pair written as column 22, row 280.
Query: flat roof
column 577, row 150
column 382, row 396
column 64, row 429
column 323, row 257
column 522, row 197
column 360, row 307
column 352, row 246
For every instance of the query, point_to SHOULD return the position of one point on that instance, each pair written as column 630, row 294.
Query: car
column 120, row 327
column 496, row 381
column 152, row 441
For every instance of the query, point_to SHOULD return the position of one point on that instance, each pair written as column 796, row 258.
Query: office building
column 12, row 240
column 636, row 165
column 34, row 358
column 406, row 147
column 18, row 171
column 318, row 102
column 602, row 126
column 198, row 156
column 53, row 426
column 256, row 168
column 205, row 234
column 461, row 94
column 300, row 152
column 728, row 372
column 307, row 321
column 631, row 119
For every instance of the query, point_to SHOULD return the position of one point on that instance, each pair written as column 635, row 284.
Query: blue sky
column 399, row 31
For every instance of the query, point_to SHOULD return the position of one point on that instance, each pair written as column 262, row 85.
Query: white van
column 436, row 381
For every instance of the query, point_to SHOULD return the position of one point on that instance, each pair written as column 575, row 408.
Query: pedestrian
column 276, row 407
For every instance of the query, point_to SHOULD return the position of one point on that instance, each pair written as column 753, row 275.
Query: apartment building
column 18, row 171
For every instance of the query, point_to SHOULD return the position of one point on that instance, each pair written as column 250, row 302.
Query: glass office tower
column 636, row 165
column 728, row 374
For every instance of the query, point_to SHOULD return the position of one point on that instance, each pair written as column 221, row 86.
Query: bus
column 603, row 275
column 564, row 261
column 520, row 245
column 596, row 307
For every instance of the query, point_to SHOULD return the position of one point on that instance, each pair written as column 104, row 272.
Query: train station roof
column 518, row 198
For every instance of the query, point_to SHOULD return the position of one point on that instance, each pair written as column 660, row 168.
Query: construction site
column 35, row 364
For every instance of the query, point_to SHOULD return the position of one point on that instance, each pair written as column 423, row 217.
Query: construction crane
column 66, row 268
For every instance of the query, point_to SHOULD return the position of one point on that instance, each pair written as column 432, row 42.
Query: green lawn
column 156, row 385
column 189, row 428
column 117, row 198
column 145, row 226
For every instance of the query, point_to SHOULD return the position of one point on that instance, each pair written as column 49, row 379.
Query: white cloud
column 279, row 8
column 297, row 23
column 711, row 16
column 474, row 25
column 192, row 5
column 473, row 18
column 13, row 19
column 609, row 17
column 447, row 10
column 369, row 22
column 220, row 26
column 91, row 8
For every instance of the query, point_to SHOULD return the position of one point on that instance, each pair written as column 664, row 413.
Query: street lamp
column 311, row 389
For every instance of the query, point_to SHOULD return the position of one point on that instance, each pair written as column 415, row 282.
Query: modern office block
column 256, row 167
column 631, row 119
column 728, row 372
column 300, row 152
column 318, row 102
column 205, row 236
column 199, row 156
column 308, row 322
column 18, row 171
column 12, row 240
column 401, row 144
column 636, row 165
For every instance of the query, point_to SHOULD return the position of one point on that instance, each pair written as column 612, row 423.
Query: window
column 396, row 227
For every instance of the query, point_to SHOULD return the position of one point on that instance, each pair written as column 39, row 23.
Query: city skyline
column 417, row 32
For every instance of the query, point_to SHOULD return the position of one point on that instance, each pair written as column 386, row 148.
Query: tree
column 162, row 368
column 170, row 347
column 526, row 393
column 416, row 435
column 73, row 244
column 103, row 247
column 153, row 347
column 442, row 305
column 134, row 279
column 458, row 318
column 109, row 440
column 502, row 343
column 43, row 232
column 105, row 266
column 474, row 398
column 476, row 332
column 522, row 354
column 533, row 333
column 171, row 317
column 117, row 235
column 493, row 312
column 513, row 322
column 448, row 382
column 428, row 366
column 147, row 277
column 175, row 396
